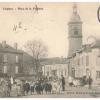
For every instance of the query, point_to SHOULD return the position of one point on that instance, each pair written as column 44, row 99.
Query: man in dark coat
column 23, row 88
column 9, row 88
column 63, row 83
column 90, row 82
column 27, row 88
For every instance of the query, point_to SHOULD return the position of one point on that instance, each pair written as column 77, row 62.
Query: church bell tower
column 74, row 32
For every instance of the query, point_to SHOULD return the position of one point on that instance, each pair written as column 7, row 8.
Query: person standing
column 63, row 82
column 9, row 88
column 23, row 88
column 90, row 82
column 27, row 87
column 12, row 80
column 5, row 88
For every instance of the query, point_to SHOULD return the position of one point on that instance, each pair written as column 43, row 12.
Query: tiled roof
column 87, row 47
column 96, row 44
column 55, row 60
column 8, row 48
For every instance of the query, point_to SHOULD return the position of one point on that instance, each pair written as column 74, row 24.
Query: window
column 16, row 69
column 82, row 61
column 17, row 59
column 5, row 58
column 5, row 69
column 87, row 60
column 73, row 72
column 61, row 72
column 98, row 61
column 54, row 72
column 47, row 73
column 65, row 72
column 97, row 74
column 75, row 32
column 78, row 62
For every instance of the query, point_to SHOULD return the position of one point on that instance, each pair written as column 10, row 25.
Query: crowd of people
column 80, row 82
column 17, row 87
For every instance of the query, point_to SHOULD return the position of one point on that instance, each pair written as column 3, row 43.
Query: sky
column 49, row 25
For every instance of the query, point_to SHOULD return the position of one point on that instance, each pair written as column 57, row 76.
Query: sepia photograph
column 49, row 49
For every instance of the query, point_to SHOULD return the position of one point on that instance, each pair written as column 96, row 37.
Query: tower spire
column 75, row 16
column 74, row 8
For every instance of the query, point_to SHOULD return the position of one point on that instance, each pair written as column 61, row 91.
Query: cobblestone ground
column 70, row 92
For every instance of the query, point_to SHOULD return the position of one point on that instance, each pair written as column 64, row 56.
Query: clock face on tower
column 75, row 29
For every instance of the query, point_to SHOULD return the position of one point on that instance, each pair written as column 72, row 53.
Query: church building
column 74, row 37
column 74, row 32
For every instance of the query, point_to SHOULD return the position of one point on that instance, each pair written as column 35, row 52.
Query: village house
column 15, row 62
column 86, row 62
column 55, row 67
column 11, row 60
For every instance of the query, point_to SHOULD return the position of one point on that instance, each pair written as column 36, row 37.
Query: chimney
column 15, row 46
column 3, row 44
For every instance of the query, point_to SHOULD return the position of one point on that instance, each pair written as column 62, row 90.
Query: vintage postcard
column 50, row 50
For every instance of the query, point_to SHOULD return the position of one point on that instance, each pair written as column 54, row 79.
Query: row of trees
column 37, row 49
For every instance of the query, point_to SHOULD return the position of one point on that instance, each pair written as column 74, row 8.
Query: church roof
column 96, row 44
column 9, row 49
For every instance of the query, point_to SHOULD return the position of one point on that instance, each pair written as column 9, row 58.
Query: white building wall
column 96, row 66
column 93, row 64
column 62, row 69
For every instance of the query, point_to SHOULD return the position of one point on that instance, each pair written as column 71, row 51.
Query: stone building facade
column 86, row 62
column 15, row 62
column 83, row 60
column 55, row 70
column 11, row 60
column 55, row 67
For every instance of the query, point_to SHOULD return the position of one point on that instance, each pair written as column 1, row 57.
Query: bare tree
column 38, row 50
